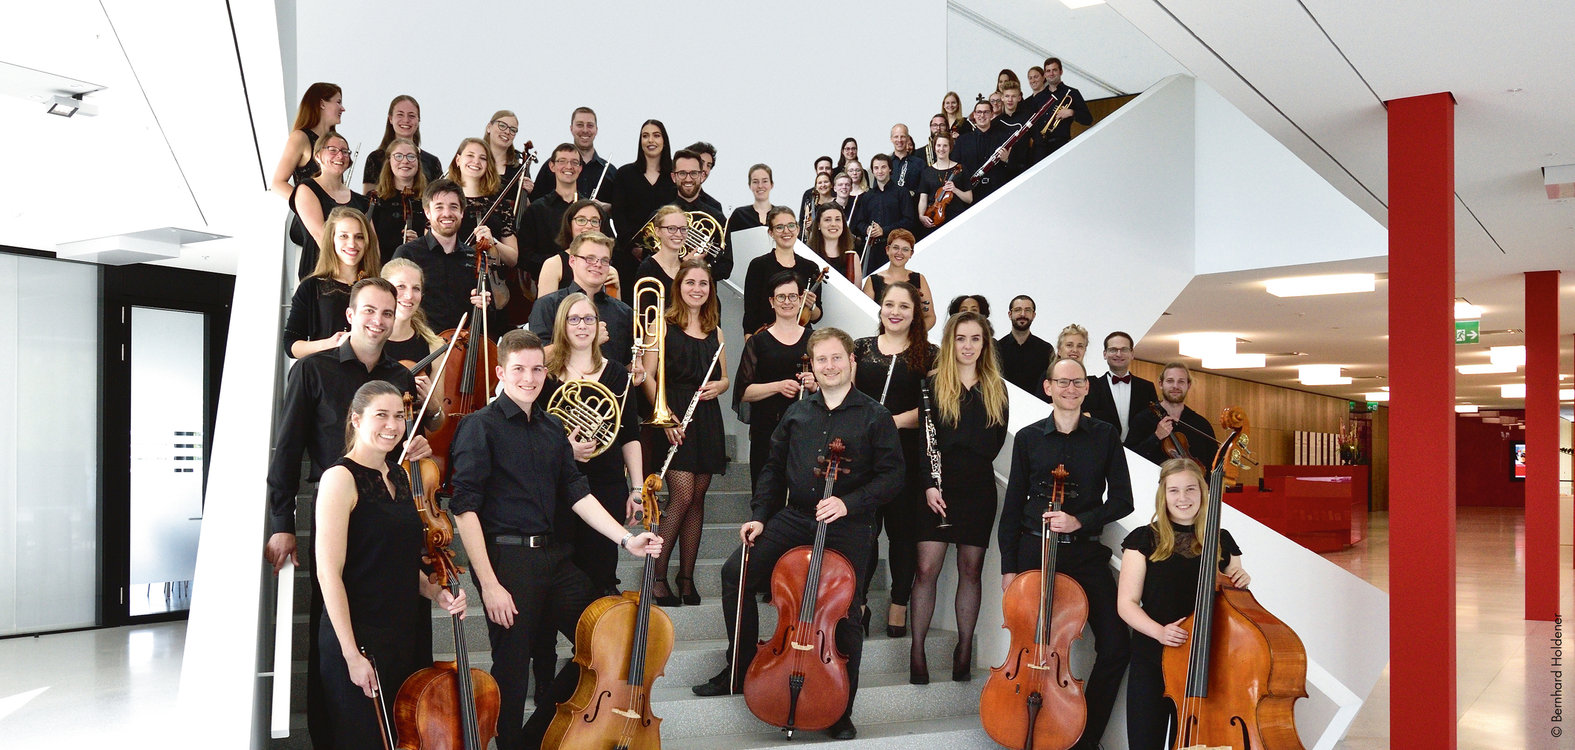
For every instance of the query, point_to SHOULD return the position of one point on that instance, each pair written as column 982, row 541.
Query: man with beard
column 1024, row 356
column 688, row 175
column 707, row 154
column 976, row 146
column 448, row 264
column 937, row 124
column 596, row 174
column 1060, row 131
column 1118, row 395
column 1149, row 429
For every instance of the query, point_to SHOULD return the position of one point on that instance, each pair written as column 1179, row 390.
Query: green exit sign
column 1468, row 331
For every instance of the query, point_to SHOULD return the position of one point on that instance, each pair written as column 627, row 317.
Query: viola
column 1175, row 444
column 815, row 285
column 621, row 644
column 1237, row 681
column 799, row 679
column 1032, row 701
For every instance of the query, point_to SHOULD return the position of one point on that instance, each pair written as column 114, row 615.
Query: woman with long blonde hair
column 316, row 321
column 412, row 338
column 968, row 413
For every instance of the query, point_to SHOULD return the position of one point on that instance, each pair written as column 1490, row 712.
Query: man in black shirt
column 707, row 153
column 537, row 226
column 1061, row 131
column 688, row 175
column 1024, row 356
column 596, row 174
column 515, row 481
column 1149, row 429
column 907, row 165
column 590, row 256
column 317, row 396
column 975, row 147
column 1097, row 468
column 881, row 209
column 1010, row 119
column 1118, row 395
column 447, row 263
column 874, row 465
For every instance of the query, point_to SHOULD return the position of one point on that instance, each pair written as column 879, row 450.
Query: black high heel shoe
column 692, row 597
column 962, row 663
column 918, row 670
column 671, row 600
column 896, row 631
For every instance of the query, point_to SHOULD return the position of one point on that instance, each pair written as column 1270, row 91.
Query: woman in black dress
column 670, row 224
column 581, row 216
column 694, row 338
column 317, row 311
column 899, row 250
column 1159, row 580
column 369, row 542
column 820, row 192
column 969, row 414
column 754, row 214
column 831, row 241
column 477, row 175
column 404, row 121
column 412, row 339
column 315, row 197
column 321, row 108
column 773, row 370
column 395, row 199
column 890, row 369
column 942, row 176
column 639, row 188
column 499, row 137
column 758, row 308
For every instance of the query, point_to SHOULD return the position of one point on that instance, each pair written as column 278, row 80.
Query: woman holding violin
column 476, row 173
column 773, row 370
column 1160, row 566
column 759, row 309
column 395, row 199
column 899, row 250
column 314, row 198
column 317, row 310
column 404, row 121
column 937, row 186
column 321, row 108
column 831, row 241
column 412, row 339
column 369, row 542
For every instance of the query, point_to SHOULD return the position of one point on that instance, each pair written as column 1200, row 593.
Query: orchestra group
column 554, row 344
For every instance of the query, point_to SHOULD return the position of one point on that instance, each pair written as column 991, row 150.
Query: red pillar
column 1422, row 421
column 1542, row 445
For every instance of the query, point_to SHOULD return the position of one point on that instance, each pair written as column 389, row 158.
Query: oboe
column 931, row 449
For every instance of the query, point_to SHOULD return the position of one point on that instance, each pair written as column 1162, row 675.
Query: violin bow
column 405, row 451
column 732, row 678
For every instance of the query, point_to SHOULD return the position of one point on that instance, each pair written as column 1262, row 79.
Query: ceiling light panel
column 1303, row 286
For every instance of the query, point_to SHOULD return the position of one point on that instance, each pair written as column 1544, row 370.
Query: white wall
column 758, row 84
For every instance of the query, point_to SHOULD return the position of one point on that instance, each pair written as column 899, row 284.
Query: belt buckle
column 536, row 542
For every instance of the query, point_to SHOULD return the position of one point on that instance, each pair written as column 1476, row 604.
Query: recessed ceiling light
column 1321, row 375
column 1466, row 311
column 1303, row 286
column 1507, row 355
column 1513, row 390
column 1233, row 361
column 1567, row 394
column 1485, row 369
column 1465, row 408
column 1075, row 4
column 1207, row 345
column 1377, row 395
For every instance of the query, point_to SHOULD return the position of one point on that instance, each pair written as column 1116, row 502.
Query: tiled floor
column 75, row 690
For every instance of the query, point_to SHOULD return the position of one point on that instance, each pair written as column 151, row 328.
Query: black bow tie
column 1127, row 378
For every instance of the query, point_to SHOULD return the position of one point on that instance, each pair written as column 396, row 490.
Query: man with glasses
column 689, row 174
column 1097, row 491
column 537, row 226
column 1118, row 395
column 883, row 208
column 757, row 278
column 1024, row 356
column 596, row 174
column 707, row 154
column 1149, row 430
column 590, row 260
column 976, row 146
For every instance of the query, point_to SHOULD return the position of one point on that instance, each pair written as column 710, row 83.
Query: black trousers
column 1088, row 563
column 550, row 593
column 791, row 528
column 1149, row 712
column 319, row 719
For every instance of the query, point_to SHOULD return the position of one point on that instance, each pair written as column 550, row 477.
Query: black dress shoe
column 692, row 597
column 717, row 685
column 843, row 729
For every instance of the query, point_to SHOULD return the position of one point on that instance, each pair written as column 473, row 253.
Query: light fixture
column 1303, row 286
column 1492, row 369
column 1233, row 361
column 1207, row 345
column 1513, row 390
column 1377, row 395
column 1466, row 311
column 1465, row 408
column 1559, row 181
column 1507, row 355
column 1075, row 4
column 1321, row 375
column 1567, row 394
column 64, row 106
column 1488, row 413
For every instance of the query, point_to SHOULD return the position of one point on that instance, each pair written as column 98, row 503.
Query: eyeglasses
column 592, row 260
column 688, row 174
column 505, row 128
column 1118, row 350
column 1073, row 382
column 568, row 162
column 587, row 221
column 580, row 320
column 680, row 229
column 336, row 151
column 406, row 157
column 786, row 299
column 791, row 226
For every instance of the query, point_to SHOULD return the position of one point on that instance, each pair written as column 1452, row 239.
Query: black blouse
column 757, row 308
column 392, row 216
column 930, row 183
column 1170, row 586
column 635, row 199
column 317, row 311
column 878, row 282
column 431, row 166
column 608, row 466
column 766, row 360
column 903, row 393
column 501, row 221
column 972, row 441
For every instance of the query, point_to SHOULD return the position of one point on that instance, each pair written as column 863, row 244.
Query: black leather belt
column 1065, row 538
column 515, row 540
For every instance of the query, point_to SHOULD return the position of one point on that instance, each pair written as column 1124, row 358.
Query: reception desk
column 1322, row 508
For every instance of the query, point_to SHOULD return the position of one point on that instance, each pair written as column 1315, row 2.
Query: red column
column 1422, row 421
column 1542, row 445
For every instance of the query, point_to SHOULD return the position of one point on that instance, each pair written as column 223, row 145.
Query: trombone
column 650, row 334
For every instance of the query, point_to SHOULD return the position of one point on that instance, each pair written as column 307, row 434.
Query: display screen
column 1517, row 460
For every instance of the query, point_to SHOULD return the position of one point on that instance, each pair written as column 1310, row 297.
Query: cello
column 799, row 679
column 1032, row 701
column 621, row 644
column 1237, row 681
column 465, row 380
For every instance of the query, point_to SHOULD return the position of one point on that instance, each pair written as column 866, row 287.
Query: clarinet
column 930, row 447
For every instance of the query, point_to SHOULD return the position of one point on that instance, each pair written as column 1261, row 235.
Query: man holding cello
column 1098, row 491
column 874, row 466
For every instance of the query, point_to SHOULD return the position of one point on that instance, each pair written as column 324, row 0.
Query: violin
column 803, row 368
column 1175, row 444
column 1236, row 682
column 799, row 679
column 435, row 418
column 1032, row 701
column 465, row 381
column 621, row 645
column 814, row 285
column 943, row 198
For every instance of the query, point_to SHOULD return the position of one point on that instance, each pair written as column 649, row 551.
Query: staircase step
column 708, row 570
column 949, row 732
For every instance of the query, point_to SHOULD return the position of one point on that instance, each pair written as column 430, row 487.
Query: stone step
column 708, row 571
column 949, row 732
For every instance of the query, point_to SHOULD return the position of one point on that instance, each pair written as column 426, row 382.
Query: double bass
column 799, row 679
column 621, row 644
column 1032, row 701
column 1236, row 682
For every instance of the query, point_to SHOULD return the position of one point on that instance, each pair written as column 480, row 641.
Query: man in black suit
column 1149, row 430
column 1117, row 396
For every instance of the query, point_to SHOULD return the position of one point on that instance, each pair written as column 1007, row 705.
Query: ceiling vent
column 136, row 247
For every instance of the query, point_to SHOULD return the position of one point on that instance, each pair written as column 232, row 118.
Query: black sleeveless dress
column 392, row 621
column 879, row 283
column 703, row 450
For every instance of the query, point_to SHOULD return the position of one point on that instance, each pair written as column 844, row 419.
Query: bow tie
column 1127, row 378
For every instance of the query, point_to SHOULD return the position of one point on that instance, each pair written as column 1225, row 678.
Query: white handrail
column 284, row 619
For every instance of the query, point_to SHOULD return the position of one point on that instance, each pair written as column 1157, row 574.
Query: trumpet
column 703, row 237
column 589, row 407
column 650, row 334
